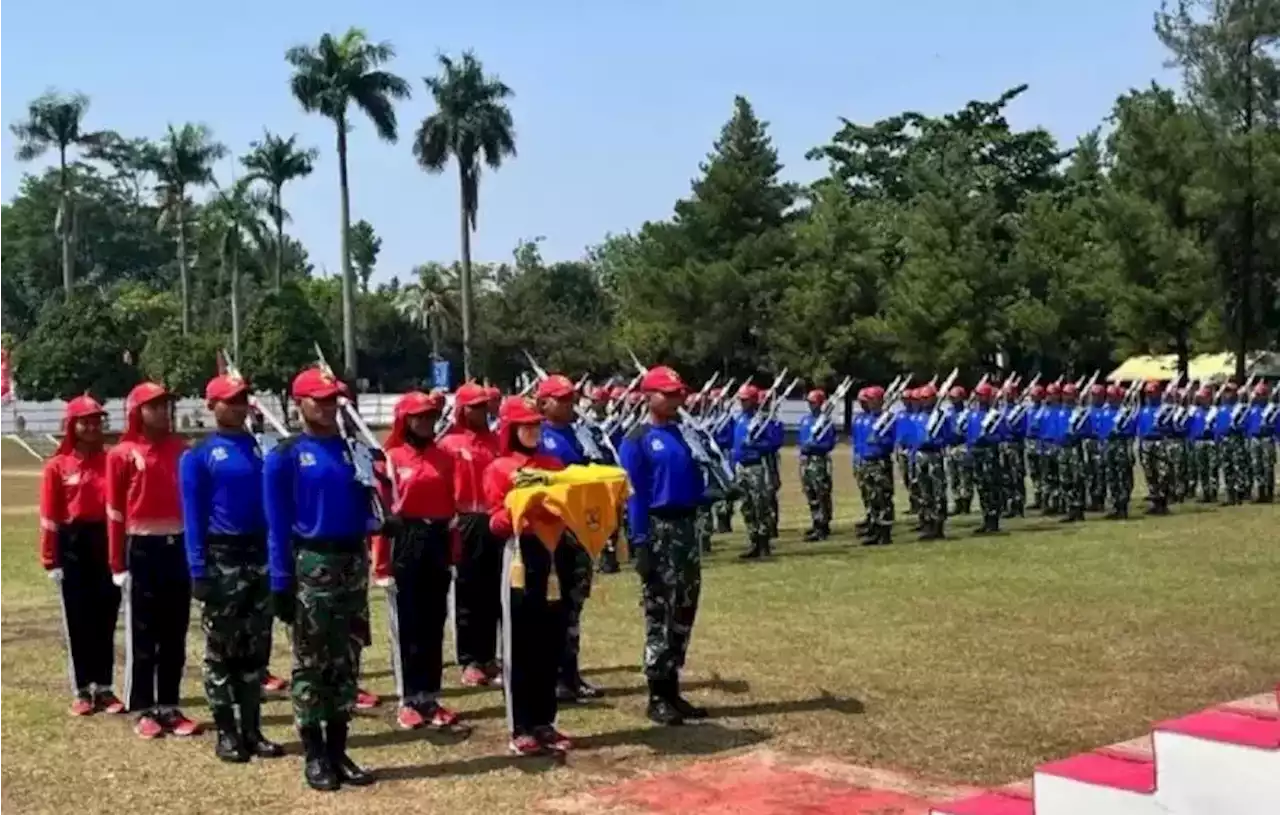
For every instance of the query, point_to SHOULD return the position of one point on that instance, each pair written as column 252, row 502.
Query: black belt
column 239, row 549
column 329, row 546
column 673, row 513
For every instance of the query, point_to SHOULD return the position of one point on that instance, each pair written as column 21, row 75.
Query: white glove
column 384, row 582
column 55, row 575
column 121, row 580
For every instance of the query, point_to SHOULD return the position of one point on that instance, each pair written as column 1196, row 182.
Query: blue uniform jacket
column 1149, row 428
column 867, row 444
column 663, row 475
column 819, row 446
column 221, row 484
column 751, row 451
column 561, row 442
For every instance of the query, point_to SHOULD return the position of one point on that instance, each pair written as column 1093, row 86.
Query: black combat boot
column 347, row 771
column 317, row 770
column 251, row 736
column 1072, row 516
column 683, row 706
column 861, row 527
column 661, row 710
column 228, row 747
column 609, row 559
column 811, row 534
column 932, row 532
column 754, row 553
column 989, row 527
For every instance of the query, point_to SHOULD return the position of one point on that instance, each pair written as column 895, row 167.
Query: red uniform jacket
column 142, row 493
column 424, row 489
column 72, row 490
column 474, row 451
column 498, row 480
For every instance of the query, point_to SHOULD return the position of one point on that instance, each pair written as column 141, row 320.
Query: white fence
column 46, row 417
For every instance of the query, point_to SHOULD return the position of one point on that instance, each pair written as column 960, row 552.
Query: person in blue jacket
column 723, row 435
column 815, row 464
column 983, row 438
column 225, row 535
column 1205, row 469
column 874, row 432
column 750, row 445
column 319, row 515
column 1260, row 436
column 1149, row 429
column 931, row 462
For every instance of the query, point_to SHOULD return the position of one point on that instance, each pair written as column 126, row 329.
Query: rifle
column 757, row 423
column 962, row 418
column 940, row 410
column 772, row 412
column 1081, row 412
column 1129, row 404
column 1242, row 403
column 364, row 451
column 1161, row 415
column 893, row 394
column 585, row 428
column 265, row 440
column 1024, row 404
column 824, row 415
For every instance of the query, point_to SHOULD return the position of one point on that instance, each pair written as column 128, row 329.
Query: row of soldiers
column 294, row 529
column 1080, row 453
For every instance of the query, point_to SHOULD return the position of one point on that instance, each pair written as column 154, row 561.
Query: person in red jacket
column 535, row 617
column 73, row 551
column 479, row 564
column 411, row 559
column 148, row 561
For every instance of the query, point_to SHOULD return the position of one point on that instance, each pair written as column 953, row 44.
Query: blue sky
column 616, row 102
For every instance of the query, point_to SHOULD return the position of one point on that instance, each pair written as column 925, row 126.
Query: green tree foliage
column 280, row 338
column 183, row 363
column 365, row 245
column 54, row 362
column 276, row 161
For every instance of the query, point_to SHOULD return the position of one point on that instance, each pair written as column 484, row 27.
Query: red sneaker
column 274, row 683
column 476, row 677
column 442, row 718
column 82, row 706
column 366, row 700
column 553, row 739
column 526, row 746
column 148, row 727
column 108, row 702
column 180, row 725
column 408, row 718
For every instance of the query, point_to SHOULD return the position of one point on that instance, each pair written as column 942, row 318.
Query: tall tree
column 183, row 159
column 471, row 124
column 428, row 302
column 234, row 219
column 276, row 161
column 54, row 121
column 328, row 79
column 365, row 246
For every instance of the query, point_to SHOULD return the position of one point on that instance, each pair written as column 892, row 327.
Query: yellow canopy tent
column 1201, row 368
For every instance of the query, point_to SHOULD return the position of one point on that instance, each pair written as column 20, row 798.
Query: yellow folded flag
column 584, row 499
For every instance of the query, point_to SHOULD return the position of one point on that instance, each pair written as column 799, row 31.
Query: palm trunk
column 433, row 324
column 66, row 224
column 184, row 276
column 466, row 274
column 279, row 218
column 348, row 275
column 234, row 259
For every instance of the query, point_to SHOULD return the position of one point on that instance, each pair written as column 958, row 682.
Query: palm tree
column 429, row 302
column 54, row 121
column 234, row 218
column 278, row 161
column 328, row 78
column 184, row 158
column 471, row 123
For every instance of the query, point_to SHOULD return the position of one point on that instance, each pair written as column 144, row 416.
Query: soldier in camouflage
column 931, row 464
column 1150, row 429
column 668, row 487
column 1235, row 455
column 1046, row 426
column 1013, row 454
column 904, row 449
column 873, row 438
column 959, row 459
column 1034, row 465
column 225, row 539
column 1204, row 470
column 1114, row 427
column 723, row 509
column 983, row 438
column 1073, row 419
column 816, row 438
column 1176, row 448
column 1091, row 450
column 752, row 439
column 1259, row 433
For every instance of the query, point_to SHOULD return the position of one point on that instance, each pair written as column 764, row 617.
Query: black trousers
column 477, row 594
column 419, row 606
column 90, row 603
column 536, row 641
column 157, row 611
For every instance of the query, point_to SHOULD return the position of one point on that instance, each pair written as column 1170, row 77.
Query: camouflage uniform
column 877, row 479
column 1034, row 468
column 907, row 464
column 815, row 478
column 704, row 527
column 1071, row 474
column 574, row 571
column 931, row 478
column 1014, row 472
column 960, row 466
column 1205, row 469
column 236, row 621
column 1262, row 452
column 1118, row 465
column 1051, row 477
column 1235, row 467
column 723, row 511
column 1095, row 482
column 1176, row 452
column 757, row 504
column 989, row 481
column 670, row 594
column 1155, row 468
column 330, row 629
column 774, row 471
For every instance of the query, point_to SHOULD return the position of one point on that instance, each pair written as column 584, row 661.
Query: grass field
column 965, row 660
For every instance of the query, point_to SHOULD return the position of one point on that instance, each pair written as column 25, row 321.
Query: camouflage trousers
column 1118, row 467
column 1013, row 461
column 573, row 570
column 1051, row 477
column 989, row 481
column 877, row 481
column 1206, row 469
column 815, row 479
column 757, row 501
column 1071, row 476
column 723, row 513
column 774, row 469
column 907, row 465
column 236, row 621
column 1095, row 481
column 1236, row 479
column 704, row 526
column 1262, row 458
column 330, row 629
column 1034, row 465
column 670, row 594
column 960, row 474
column 1155, row 468
column 931, row 478
column 1179, row 469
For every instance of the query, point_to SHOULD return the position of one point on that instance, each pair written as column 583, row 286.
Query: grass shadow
column 691, row 740
column 530, row 765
